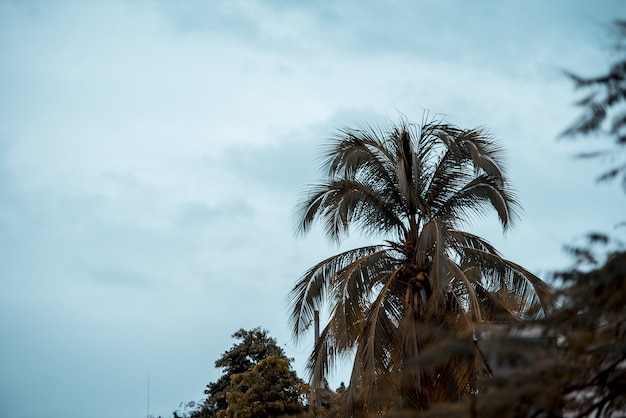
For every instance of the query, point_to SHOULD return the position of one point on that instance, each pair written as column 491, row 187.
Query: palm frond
column 378, row 354
column 464, row 288
column 473, row 197
column 351, row 291
column 324, row 355
column 357, row 151
column 310, row 291
column 498, row 274
column 340, row 203
column 432, row 251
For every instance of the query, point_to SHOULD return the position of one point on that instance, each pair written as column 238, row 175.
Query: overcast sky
column 152, row 153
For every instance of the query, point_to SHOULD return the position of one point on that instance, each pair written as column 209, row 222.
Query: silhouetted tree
column 255, row 355
column 398, row 304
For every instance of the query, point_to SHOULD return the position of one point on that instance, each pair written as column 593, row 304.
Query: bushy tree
column 270, row 389
column 254, row 364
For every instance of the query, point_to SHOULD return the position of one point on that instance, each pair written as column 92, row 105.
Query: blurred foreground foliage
column 604, row 108
column 583, row 373
column 571, row 363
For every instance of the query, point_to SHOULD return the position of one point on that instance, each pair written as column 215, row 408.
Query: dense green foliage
column 270, row 389
column 256, row 380
column 398, row 303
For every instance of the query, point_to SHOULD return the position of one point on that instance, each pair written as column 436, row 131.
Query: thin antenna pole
column 148, row 414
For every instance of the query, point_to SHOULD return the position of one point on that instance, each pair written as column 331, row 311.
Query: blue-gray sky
column 152, row 153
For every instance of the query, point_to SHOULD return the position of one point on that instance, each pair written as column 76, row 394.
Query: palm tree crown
column 415, row 187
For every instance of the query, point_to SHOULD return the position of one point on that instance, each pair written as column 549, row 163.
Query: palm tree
column 392, row 304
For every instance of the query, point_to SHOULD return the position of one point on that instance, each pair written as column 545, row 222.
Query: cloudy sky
column 152, row 153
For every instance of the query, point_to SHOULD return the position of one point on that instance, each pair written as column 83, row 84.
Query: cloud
column 152, row 155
